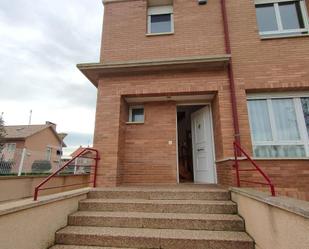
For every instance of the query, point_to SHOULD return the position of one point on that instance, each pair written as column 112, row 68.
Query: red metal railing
column 81, row 154
column 238, row 151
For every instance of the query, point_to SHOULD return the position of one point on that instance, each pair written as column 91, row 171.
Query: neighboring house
column 32, row 143
column 179, row 82
column 77, row 151
column 82, row 162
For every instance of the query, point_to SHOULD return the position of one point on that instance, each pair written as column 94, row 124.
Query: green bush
column 41, row 166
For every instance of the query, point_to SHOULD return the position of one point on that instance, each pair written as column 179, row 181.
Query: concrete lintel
column 154, row 62
column 93, row 70
column 115, row 1
column 169, row 97
column 288, row 204
column 226, row 159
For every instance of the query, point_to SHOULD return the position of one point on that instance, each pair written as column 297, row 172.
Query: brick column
column 106, row 138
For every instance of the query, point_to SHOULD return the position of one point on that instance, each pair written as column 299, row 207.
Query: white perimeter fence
column 29, row 162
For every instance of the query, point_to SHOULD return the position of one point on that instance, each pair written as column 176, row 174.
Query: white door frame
column 211, row 135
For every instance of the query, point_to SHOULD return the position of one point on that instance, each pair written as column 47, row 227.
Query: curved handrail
column 237, row 149
column 96, row 158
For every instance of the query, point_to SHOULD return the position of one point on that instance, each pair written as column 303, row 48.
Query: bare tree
column 2, row 133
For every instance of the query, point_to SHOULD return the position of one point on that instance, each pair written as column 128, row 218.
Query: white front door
column 202, row 146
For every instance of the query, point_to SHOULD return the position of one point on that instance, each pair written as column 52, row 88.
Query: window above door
column 136, row 114
column 281, row 17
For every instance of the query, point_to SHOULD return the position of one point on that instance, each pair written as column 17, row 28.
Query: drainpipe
column 230, row 73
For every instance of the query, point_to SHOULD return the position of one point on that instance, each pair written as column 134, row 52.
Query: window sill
column 263, row 159
column 159, row 34
column 271, row 37
column 279, row 158
column 134, row 123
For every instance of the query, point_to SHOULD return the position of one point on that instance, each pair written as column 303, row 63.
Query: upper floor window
column 11, row 147
column 8, row 151
column 282, row 17
column 160, row 19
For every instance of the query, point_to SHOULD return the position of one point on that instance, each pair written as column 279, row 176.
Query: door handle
column 200, row 149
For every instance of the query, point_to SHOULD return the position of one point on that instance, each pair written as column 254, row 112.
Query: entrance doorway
column 195, row 144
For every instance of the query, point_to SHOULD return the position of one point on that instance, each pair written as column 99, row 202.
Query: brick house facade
column 161, row 75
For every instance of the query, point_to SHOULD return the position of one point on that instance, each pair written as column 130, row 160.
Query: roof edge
column 57, row 136
column 92, row 70
column 154, row 62
column 47, row 126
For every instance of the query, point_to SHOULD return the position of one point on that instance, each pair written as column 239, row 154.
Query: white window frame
column 131, row 108
column 160, row 10
column 296, row 97
column 9, row 150
column 280, row 30
column 49, row 151
column 9, row 146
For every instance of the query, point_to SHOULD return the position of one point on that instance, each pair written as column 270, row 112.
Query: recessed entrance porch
column 168, row 139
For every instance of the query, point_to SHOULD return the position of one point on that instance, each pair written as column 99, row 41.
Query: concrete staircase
column 179, row 217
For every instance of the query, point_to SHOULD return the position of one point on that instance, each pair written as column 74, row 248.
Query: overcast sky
column 40, row 44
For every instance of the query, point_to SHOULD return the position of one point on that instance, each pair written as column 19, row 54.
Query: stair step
column 158, row 206
column 153, row 238
column 215, row 222
column 84, row 247
column 166, row 193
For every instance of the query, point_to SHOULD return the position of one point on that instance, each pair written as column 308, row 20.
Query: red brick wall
column 259, row 65
column 124, row 113
column 290, row 177
column 263, row 65
column 125, row 27
column 226, row 173
column 106, row 138
column 111, row 130
column 149, row 159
